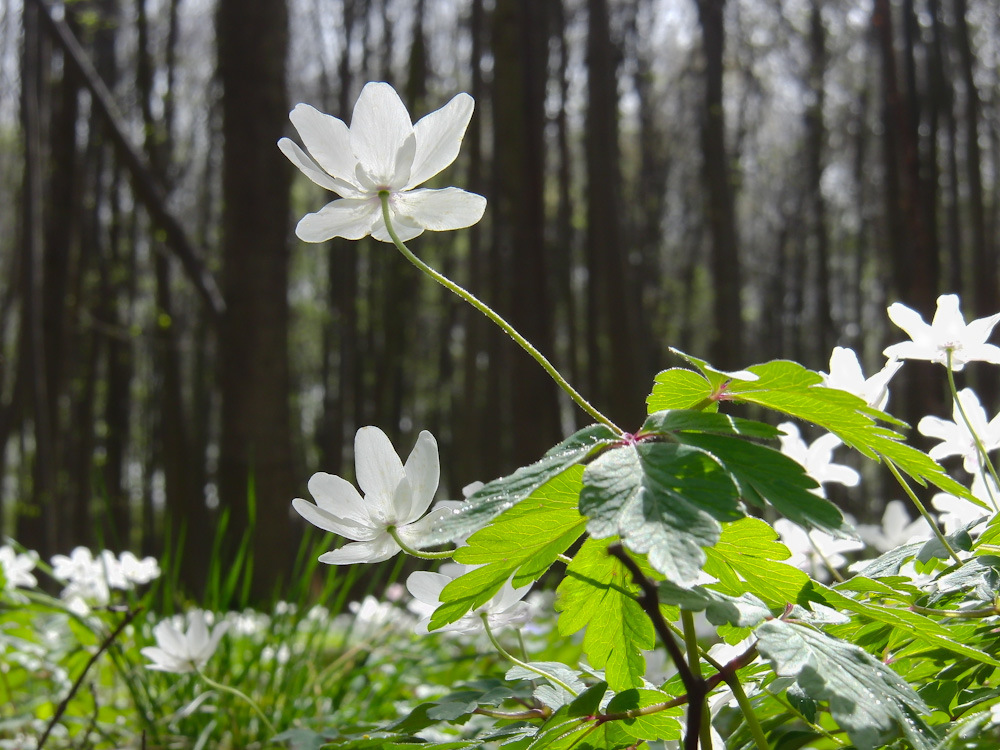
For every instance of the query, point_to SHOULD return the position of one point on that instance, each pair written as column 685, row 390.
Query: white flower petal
column 337, row 496
column 379, row 127
column 323, row 519
column 350, row 218
column 377, row 467
column 439, row 138
column 310, row 169
column 426, row 586
column 909, row 320
column 440, row 210
column 414, row 533
column 328, row 141
column 405, row 230
column 423, row 472
column 374, row 551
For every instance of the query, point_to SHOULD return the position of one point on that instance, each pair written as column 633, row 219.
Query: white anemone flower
column 17, row 567
column 817, row 457
column 814, row 551
column 396, row 497
column 505, row 609
column 955, row 436
column 382, row 151
column 846, row 375
column 896, row 528
column 183, row 652
column 946, row 333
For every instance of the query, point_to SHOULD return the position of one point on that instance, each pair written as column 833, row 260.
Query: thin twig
column 61, row 708
column 695, row 685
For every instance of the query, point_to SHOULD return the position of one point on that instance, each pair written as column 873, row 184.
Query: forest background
column 741, row 179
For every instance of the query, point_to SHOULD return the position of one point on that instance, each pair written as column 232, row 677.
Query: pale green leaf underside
column 866, row 698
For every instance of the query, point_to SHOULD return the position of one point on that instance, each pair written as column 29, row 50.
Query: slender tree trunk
column 726, row 349
column 520, row 74
column 255, row 468
column 985, row 285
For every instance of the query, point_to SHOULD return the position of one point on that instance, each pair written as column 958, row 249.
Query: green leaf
column 660, row 725
column 790, row 388
column 742, row 611
column 663, row 499
column 767, row 476
column 495, row 497
column 679, row 388
column 912, row 623
column 866, row 698
column 544, row 524
column 598, row 594
column 670, row 421
column 748, row 558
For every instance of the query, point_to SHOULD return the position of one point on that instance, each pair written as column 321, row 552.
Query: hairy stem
column 494, row 317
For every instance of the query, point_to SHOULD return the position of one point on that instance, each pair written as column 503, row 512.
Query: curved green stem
column 394, row 533
column 523, row 664
column 923, row 511
column 494, row 317
column 756, row 730
column 239, row 694
column 980, row 448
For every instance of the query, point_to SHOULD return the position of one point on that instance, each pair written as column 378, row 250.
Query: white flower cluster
column 88, row 580
column 948, row 339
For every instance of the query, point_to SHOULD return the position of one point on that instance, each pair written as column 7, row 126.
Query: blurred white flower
column 17, row 567
column 946, row 333
column 816, row 458
column 896, row 528
column 382, row 150
column 955, row 437
column 139, row 572
column 505, row 609
column 182, row 652
column 396, row 496
column 846, row 375
column 370, row 614
column 814, row 551
column 955, row 513
column 86, row 579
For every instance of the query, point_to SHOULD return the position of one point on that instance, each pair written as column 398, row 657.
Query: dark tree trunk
column 520, row 54
column 255, row 467
column 726, row 350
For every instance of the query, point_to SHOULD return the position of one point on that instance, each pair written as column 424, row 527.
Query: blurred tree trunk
column 471, row 460
column 914, row 266
column 255, row 467
column 49, row 126
column 726, row 349
column 817, row 238
column 985, row 286
column 612, row 315
column 942, row 97
column 520, row 42
column 172, row 448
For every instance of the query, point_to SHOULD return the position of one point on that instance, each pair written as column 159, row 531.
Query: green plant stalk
column 747, row 708
column 923, row 511
column 523, row 664
column 691, row 645
column 494, row 317
column 394, row 533
column 979, row 443
column 239, row 694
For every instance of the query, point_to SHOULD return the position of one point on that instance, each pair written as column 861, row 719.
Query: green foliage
column 663, row 499
column 545, row 525
column 495, row 497
column 867, row 699
column 597, row 594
